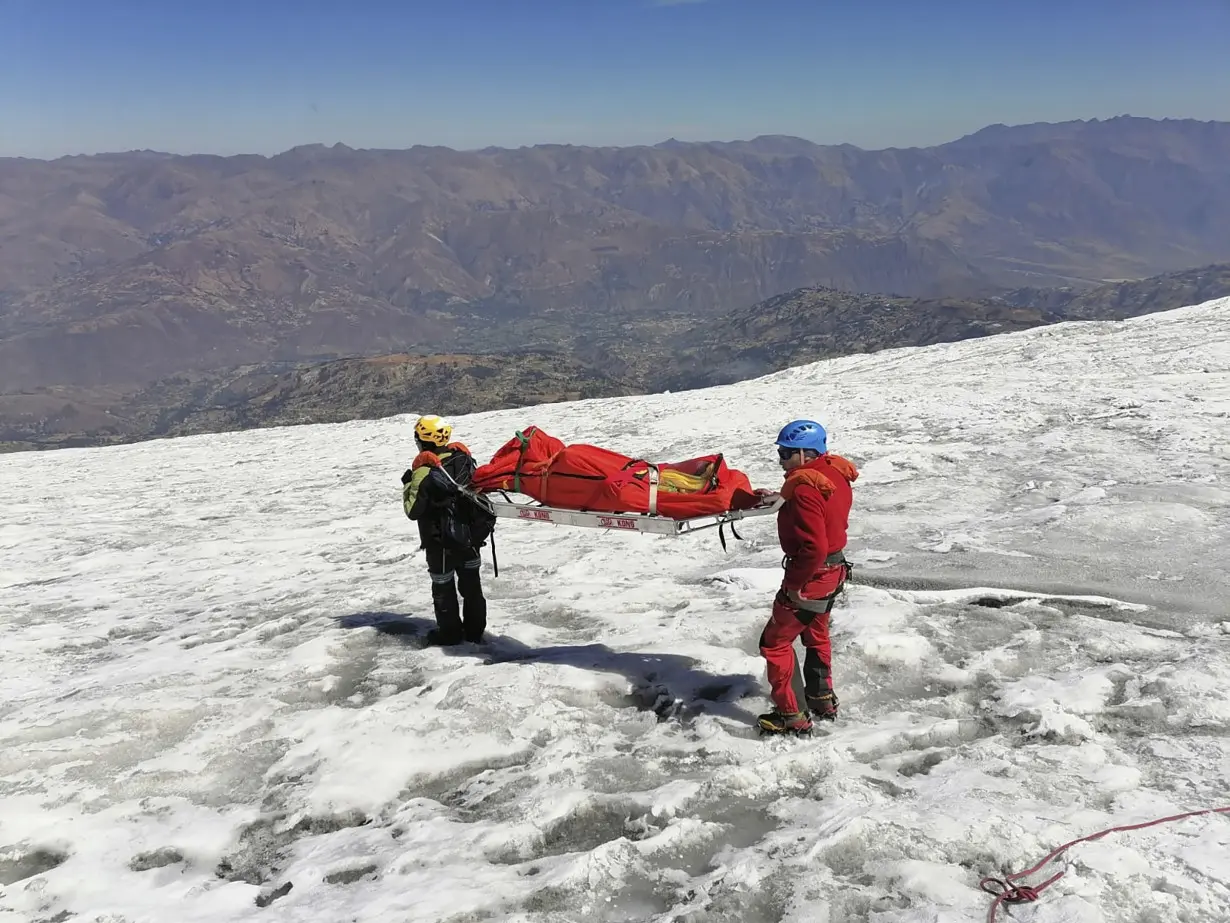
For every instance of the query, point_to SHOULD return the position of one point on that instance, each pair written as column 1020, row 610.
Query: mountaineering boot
column 823, row 706
column 448, row 628
column 777, row 723
column 435, row 637
column 474, row 605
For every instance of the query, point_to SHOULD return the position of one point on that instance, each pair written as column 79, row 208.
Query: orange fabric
column 844, row 467
column 817, row 478
column 806, row 476
column 591, row 478
column 429, row 457
column 425, row 458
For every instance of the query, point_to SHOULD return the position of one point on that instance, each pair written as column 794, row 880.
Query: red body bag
column 593, row 479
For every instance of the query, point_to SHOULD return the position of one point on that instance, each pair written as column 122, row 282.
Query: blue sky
column 80, row 76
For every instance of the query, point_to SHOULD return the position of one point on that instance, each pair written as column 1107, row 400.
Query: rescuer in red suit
column 811, row 527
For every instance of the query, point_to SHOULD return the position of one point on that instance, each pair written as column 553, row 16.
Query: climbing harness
column 822, row 605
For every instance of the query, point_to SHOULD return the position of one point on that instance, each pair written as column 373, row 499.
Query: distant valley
column 147, row 294
column 794, row 328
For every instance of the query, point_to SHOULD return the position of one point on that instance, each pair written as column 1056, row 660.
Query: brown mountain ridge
column 672, row 353
column 121, row 269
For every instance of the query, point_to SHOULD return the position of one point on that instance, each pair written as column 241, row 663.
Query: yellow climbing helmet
column 434, row 430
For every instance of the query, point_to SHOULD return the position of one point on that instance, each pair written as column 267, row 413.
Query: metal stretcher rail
column 630, row 522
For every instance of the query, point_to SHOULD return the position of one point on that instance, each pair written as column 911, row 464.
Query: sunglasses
column 784, row 452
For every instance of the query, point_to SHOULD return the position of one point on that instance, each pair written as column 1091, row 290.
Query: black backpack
column 468, row 519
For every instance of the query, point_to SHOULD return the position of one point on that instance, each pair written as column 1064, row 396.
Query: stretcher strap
column 651, row 471
column 525, row 442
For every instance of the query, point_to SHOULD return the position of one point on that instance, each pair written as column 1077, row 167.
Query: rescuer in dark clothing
column 431, row 495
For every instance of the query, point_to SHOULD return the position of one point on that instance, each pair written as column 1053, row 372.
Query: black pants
column 818, row 672
column 457, row 623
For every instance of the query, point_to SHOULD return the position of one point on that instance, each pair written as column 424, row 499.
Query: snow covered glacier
column 213, row 705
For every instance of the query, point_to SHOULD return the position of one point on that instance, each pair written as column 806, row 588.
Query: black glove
column 406, row 476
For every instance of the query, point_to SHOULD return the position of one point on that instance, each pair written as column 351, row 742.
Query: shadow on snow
column 667, row 684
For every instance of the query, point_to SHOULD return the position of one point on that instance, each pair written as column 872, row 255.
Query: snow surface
column 211, row 686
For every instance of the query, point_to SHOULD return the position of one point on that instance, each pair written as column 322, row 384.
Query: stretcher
column 650, row 523
column 594, row 487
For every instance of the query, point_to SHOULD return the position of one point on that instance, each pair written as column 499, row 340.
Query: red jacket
column 812, row 524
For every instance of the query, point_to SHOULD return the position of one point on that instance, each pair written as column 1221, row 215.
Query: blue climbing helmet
column 803, row 434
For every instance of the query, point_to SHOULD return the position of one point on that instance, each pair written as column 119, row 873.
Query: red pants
column 777, row 643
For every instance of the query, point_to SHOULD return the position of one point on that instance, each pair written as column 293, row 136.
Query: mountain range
column 791, row 329
column 138, row 288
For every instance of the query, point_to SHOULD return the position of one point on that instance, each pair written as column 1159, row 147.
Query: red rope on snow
column 1009, row 893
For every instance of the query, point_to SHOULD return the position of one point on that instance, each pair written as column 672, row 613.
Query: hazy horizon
column 544, row 144
column 264, row 77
